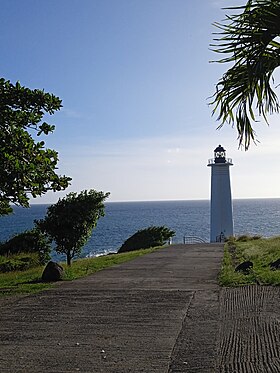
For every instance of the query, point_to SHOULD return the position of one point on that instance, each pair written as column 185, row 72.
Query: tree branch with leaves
column 27, row 167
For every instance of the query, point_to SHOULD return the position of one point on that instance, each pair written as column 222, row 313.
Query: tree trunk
column 68, row 258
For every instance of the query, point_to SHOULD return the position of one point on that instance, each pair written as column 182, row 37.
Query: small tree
column 27, row 167
column 148, row 237
column 69, row 222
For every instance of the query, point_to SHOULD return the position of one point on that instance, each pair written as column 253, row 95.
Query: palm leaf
column 249, row 41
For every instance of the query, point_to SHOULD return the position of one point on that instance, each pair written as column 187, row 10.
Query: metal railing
column 212, row 161
column 193, row 239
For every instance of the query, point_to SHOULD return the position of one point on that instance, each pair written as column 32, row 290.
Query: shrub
column 32, row 241
column 19, row 262
column 246, row 238
column 146, row 238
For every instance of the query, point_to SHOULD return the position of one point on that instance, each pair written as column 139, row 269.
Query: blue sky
column 134, row 77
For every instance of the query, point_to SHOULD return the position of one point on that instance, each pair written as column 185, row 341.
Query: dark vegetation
column 25, row 250
column 19, row 262
column 31, row 241
column 146, row 238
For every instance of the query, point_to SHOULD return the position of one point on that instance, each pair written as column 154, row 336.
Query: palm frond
column 249, row 41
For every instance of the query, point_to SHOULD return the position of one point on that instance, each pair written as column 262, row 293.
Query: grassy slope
column 261, row 252
column 27, row 282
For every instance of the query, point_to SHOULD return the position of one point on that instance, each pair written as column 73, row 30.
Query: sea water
column 186, row 218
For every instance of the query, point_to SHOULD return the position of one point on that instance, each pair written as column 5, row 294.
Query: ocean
column 186, row 218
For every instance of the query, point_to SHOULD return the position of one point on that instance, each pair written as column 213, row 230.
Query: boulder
column 244, row 267
column 52, row 272
column 275, row 265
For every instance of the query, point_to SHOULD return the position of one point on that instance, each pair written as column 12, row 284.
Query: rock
column 244, row 267
column 52, row 272
column 275, row 265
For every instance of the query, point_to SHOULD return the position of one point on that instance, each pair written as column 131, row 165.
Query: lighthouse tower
column 221, row 222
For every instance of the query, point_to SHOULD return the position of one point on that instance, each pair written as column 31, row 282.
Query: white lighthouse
column 221, row 222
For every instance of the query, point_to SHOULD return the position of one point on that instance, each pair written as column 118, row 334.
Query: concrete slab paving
column 163, row 312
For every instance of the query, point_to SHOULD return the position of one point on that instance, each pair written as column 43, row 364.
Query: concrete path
column 162, row 312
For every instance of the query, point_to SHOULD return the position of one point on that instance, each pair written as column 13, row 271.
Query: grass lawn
column 29, row 281
column 260, row 251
